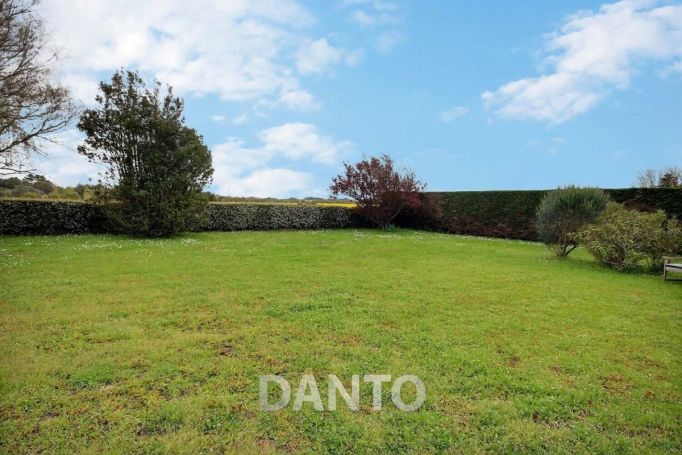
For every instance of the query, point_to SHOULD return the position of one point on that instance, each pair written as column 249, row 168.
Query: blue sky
column 470, row 95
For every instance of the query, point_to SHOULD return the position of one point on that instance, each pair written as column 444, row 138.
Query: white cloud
column 379, row 5
column 218, row 118
column 550, row 146
column 318, row 56
column 381, row 17
column 269, row 182
column 299, row 100
column 241, row 50
column 235, row 158
column 60, row 162
column 592, row 54
column 452, row 114
column 672, row 69
column 388, row 40
column 248, row 171
column 375, row 18
column 240, row 119
column 301, row 140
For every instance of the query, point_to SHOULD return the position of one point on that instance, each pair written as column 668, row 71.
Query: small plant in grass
column 381, row 191
column 166, row 418
column 563, row 212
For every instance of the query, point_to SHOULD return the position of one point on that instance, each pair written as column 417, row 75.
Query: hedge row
column 48, row 217
column 511, row 214
column 259, row 217
column 650, row 199
column 61, row 217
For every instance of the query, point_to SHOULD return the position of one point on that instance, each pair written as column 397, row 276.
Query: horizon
column 532, row 97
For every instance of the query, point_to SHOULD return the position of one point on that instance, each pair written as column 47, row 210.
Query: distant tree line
column 34, row 186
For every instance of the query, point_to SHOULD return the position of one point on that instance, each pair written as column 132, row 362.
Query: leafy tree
column 563, row 212
column 379, row 190
column 10, row 183
column 156, row 168
column 31, row 107
column 40, row 183
column 80, row 190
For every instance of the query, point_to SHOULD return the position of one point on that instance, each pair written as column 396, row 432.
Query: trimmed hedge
column 650, row 199
column 61, row 217
column 259, row 217
column 48, row 217
column 511, row 214
column 508, row 214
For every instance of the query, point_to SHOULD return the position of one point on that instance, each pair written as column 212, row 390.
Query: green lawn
column 110, row 344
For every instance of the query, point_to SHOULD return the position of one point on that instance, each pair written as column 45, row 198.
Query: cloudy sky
column 471, row 95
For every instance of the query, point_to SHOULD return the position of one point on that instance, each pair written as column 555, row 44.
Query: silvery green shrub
column 563, row 212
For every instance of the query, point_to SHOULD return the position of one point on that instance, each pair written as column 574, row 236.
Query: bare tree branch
column 31, row 107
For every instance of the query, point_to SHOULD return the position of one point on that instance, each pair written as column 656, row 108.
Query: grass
column 119, row 345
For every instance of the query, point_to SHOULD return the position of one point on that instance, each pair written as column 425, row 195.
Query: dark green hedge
column 47, row 217
column 511, row 214
column 650, row 199
column 258, row 217
column 59, row 217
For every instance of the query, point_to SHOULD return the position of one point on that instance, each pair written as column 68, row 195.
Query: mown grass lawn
column 110, row 344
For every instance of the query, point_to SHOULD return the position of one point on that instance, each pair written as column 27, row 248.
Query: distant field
column 109, row 344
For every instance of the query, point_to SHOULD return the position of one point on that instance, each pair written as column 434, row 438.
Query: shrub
column 662, row 237
column 156, row 165
column 615, row 238
column 563, row 212
column 622, row 238
column 381, row 191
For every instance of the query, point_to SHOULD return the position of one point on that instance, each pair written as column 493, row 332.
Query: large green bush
column 622, row 238
column 563, row 212
column 156, row 167
column 663, row 237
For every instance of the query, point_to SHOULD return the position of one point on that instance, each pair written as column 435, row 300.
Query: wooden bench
column 672, row 264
